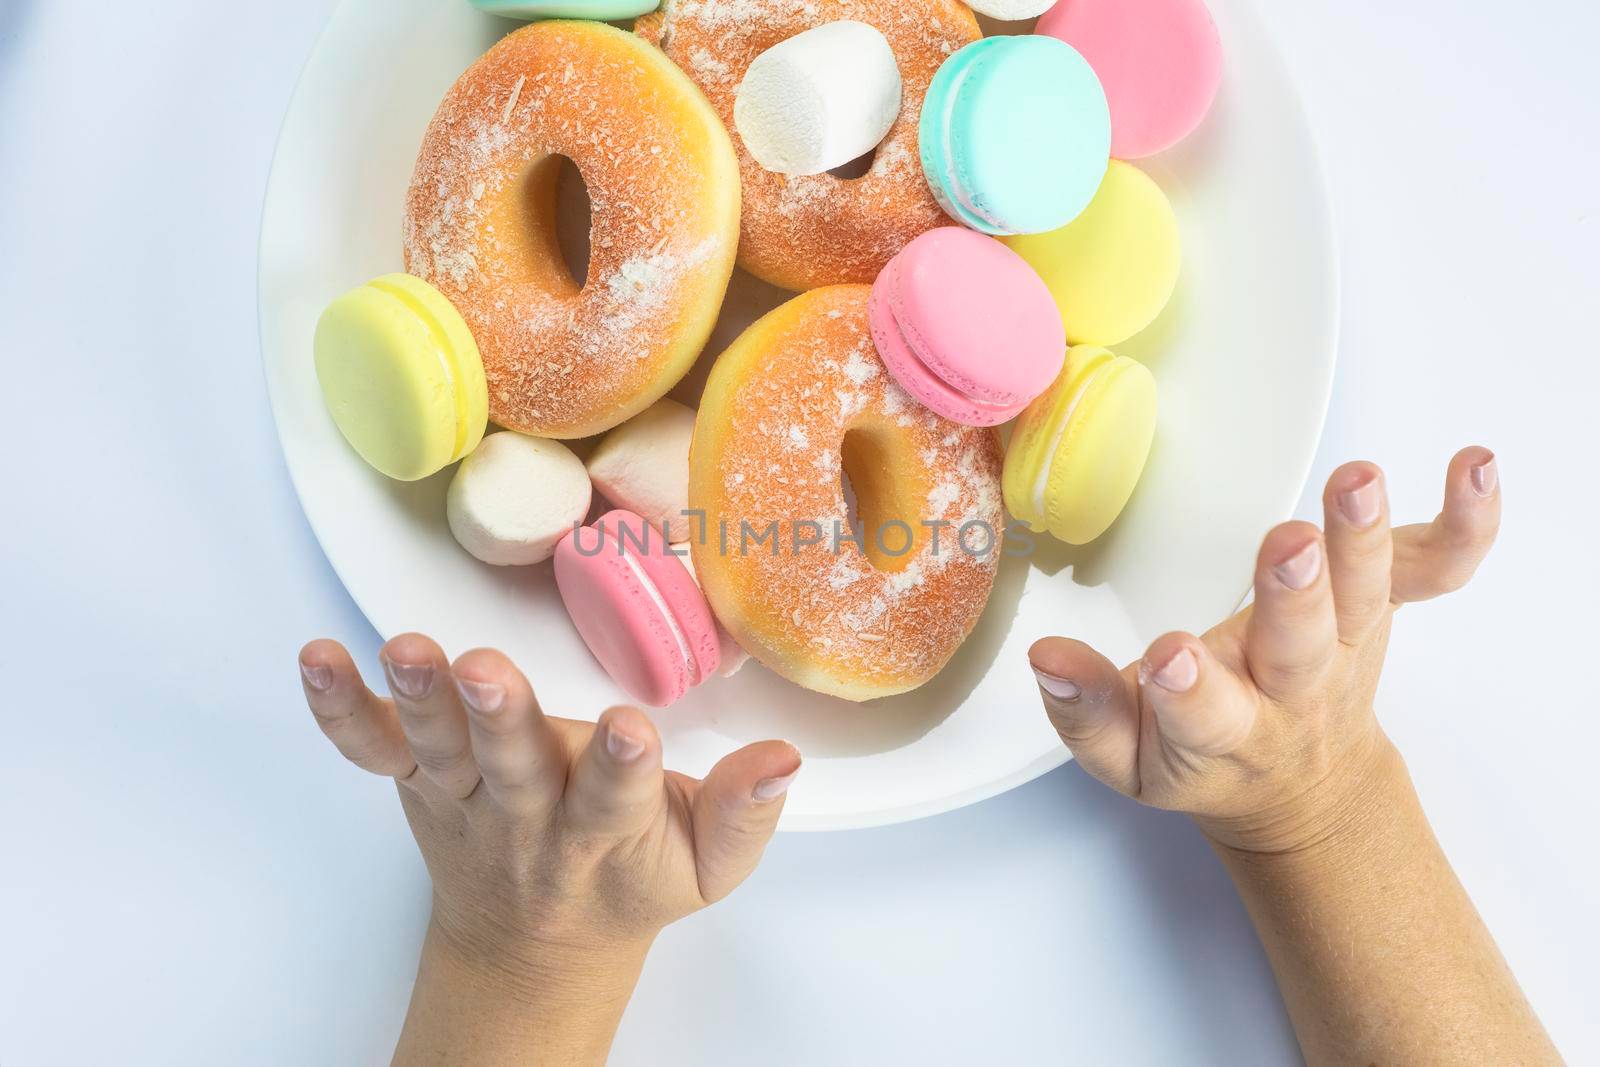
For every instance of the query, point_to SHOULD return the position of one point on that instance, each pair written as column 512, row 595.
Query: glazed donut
column 800, row 395
column 564, row 361
column 801, row 232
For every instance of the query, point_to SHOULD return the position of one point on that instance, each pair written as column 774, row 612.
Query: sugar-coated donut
column 1159, row 60
column 643, row 466
column 513, row 500
column 564, row 361
column 800, row 232
column 799, row 401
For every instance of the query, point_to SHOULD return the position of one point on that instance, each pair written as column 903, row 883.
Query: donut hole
column 574, row 219
column 857, row 167
column 884, row 489
column 555, row 216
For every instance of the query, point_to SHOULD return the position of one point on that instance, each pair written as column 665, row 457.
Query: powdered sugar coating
column 800, row 232
column 560, row 361
column 768, row 449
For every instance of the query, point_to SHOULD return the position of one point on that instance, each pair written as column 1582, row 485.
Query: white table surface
column 190, row 875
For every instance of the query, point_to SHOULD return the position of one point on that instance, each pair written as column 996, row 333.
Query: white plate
column 1244, row 358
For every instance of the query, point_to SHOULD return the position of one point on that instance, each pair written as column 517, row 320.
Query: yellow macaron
column 1077, row 452
column 402, row 376
column 1114, row 267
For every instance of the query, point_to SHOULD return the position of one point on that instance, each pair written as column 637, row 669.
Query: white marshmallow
column 819, row 99
column 515, row 498
column 1011, row 10
column 643, row 466
column 733, row 657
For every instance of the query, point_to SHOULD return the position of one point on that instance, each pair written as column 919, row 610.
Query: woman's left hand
column 558, row 849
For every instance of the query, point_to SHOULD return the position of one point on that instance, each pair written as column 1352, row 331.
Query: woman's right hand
column 1263, row 729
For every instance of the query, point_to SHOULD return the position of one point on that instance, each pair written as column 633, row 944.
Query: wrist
column 1348, row 805
column 516, row 1003
column 535, row 966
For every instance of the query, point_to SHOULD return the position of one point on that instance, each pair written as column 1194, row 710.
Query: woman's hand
column 1263, row 729
column 558, row 849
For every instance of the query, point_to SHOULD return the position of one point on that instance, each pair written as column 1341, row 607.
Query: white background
column 189, row 875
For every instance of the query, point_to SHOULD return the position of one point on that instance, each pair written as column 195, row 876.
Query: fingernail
column 769, row 789
column 1179, row 673
column 1302, row 568
column 484, row 697
column 411, row 680
column 1362, row 505
column 623, row 748
column 1485, row 477
column 319, row 678
column 1060, row 688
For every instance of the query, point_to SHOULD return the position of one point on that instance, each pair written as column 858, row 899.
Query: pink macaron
column 637, row 608
column 1160, row 62
column 966, row 326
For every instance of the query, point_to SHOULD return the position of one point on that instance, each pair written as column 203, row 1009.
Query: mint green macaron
column 1016, row 135
column 599, row 10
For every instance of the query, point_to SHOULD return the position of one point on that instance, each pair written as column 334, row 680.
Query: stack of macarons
column 1026, row 142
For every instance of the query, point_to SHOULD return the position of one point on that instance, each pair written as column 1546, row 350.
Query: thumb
column 736, row 810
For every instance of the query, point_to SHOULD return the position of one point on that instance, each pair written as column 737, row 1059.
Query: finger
column 1355, row 510
column 735, row 811
column 615, row 788
column 430, row 712
column 1292, row 633
column 522, row 761
column 1432, row 559
column 1094, row 708
column 1198, row 704
column 361, row 724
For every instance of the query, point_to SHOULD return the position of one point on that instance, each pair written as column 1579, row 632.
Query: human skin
column 1263, row 730
column 559, row 849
